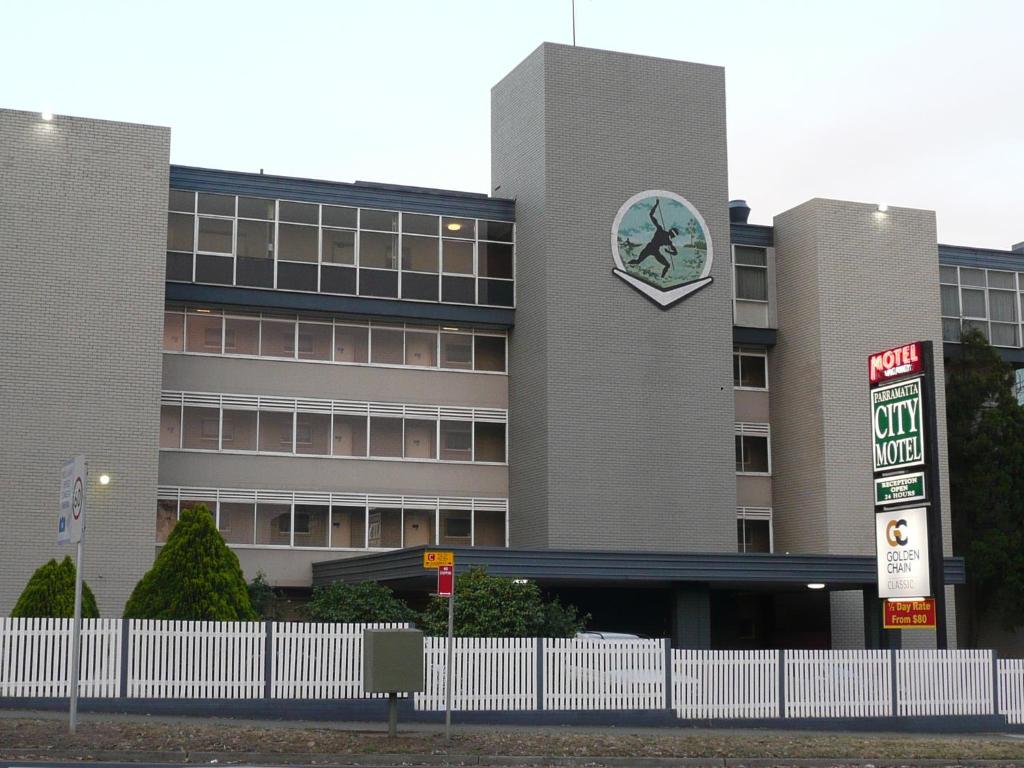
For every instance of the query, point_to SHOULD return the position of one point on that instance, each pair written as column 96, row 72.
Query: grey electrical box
column 392, row 660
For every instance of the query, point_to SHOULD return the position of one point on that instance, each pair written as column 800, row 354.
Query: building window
column 456, row 351
column 456, row 440
column 326, row 520
column 749, row 368
column 273, row 522
column 489, row 442
column 456, row 527
column 308, row 338
column 200, row 429
column 750, row 286
column 276, row 430
column 753, row 449
column 166, row 518
column 754, row 529
column 300, row 246
column 751, row 265
column 988, row 301
column 314, row 427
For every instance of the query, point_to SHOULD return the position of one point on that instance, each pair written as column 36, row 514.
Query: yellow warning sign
column 437, row 559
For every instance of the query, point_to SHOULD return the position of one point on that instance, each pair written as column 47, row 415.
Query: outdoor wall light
column 815, row 586
column 104, row 479
column 454, row 226
column 882, row 207
column 47, row 116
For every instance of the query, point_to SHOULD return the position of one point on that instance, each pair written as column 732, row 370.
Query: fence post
column 125, row 640
column 540, row 673
column 268, row 655
column 893, row 687
column 782, row 683
column 668, row 673
column 995, row 682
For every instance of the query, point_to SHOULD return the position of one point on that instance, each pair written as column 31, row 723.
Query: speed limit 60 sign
column 72, row 501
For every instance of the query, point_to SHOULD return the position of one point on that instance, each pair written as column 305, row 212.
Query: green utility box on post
column 392, row 664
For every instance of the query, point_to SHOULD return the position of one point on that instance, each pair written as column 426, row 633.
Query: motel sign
column 897, row 425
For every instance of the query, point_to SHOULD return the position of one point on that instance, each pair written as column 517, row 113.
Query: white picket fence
column 228, row 660
column 35, row 657
column 725, row 684
column 195, row 659
column 489, row 674
column 319, row 661
column 1011, row 690
column 604, row 674
column 944, row 682
column 838, row 684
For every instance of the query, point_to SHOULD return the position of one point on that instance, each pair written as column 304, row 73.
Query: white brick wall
column 621, row 412
column 82, row 231
column 851, row 281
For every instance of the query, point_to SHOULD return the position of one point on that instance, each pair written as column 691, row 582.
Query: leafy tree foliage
column 264, row 599
column 985, row 425
column 364, row 602
column 195, row 577
column 50, row 594
column 493, row 606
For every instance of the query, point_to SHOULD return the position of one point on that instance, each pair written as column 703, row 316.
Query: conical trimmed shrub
column 50, row 594
column 194, row 578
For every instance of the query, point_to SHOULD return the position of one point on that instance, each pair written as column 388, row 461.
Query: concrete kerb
column 373, row 712
column 175, row 758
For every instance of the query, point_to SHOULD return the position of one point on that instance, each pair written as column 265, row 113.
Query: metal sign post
column 448, row 667
column 71, row 530
column 76, row 642
column 938, row 575
column 444, row 562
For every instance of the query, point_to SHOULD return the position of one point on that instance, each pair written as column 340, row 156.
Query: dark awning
column 403, row 569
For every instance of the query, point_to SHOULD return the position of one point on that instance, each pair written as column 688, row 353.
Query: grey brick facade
column 83, row 229
column 621, row 413
column 851, row 281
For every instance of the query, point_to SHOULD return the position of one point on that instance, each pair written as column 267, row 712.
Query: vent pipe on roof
column 738, row 211
column 1018, row 247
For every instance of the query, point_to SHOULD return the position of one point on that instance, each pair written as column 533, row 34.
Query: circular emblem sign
column 661, row 246
column 76, row 499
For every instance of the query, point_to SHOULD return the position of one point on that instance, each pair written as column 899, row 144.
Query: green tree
column 493, row 606
column 364, row 602
column 50, row 594
column 985, row 426
column 263, row 598
column 195, row 577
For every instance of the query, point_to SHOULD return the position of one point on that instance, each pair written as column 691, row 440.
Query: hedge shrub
column 195, row 577
column 50, row 594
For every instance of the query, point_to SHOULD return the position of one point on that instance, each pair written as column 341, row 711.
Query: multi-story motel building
column 672, row 433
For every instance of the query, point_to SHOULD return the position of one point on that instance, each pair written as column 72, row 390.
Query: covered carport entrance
column 700, row 600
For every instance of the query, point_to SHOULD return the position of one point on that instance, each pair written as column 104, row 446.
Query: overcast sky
column 909, row 102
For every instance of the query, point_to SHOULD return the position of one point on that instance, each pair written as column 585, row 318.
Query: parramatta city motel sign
column 897, row 380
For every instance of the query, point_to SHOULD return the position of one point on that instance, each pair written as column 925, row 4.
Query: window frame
column 759, row 514
column 741, row 352
column 184, row 312
column 357, row 261
column 297, row 408
column 754, row 430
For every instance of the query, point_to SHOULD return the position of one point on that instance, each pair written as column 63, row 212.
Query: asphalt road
column 408, row 761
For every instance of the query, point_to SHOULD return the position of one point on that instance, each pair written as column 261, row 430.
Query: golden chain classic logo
column 894, row 533
column 661, row 246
